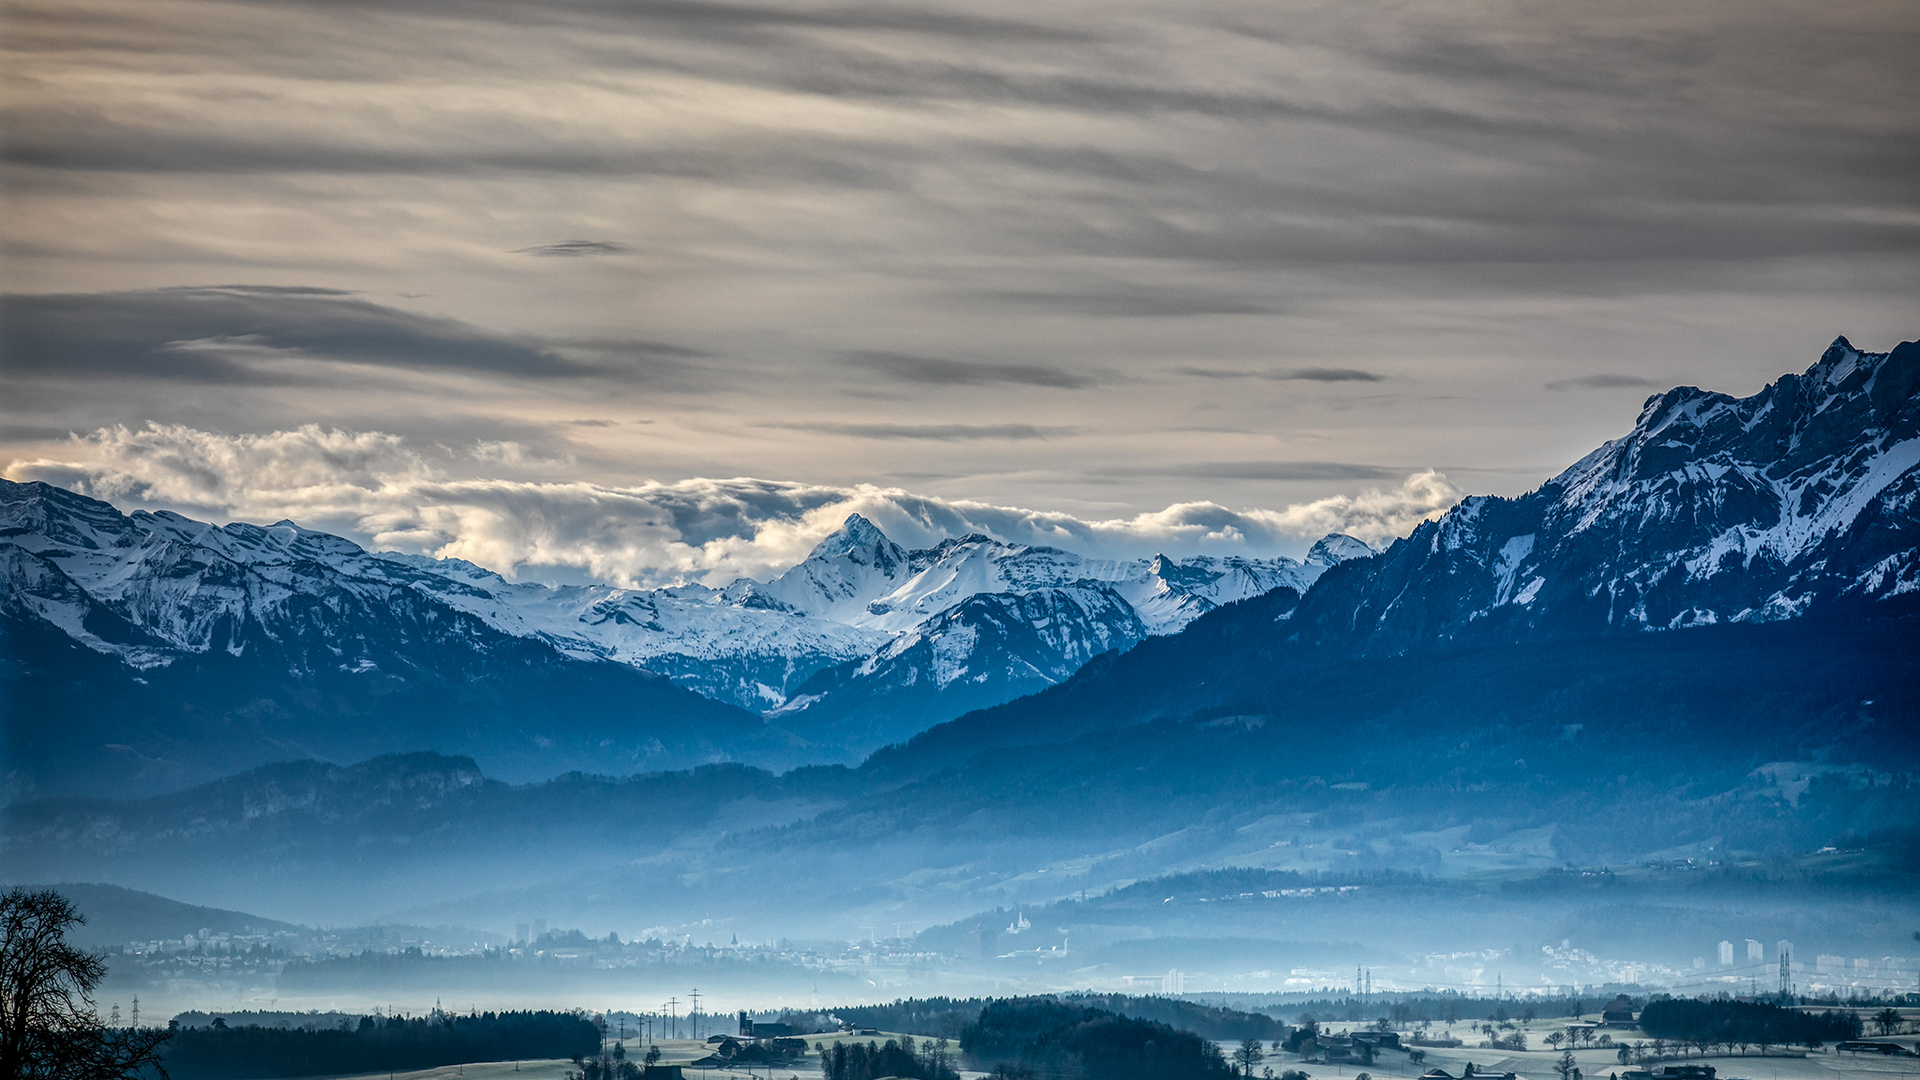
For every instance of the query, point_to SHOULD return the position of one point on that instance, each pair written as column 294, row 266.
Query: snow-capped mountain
column 843, row 574
column 855, row 596
column 1168, row 594
column 159, row 593
column 986, row 649
column 739, row 645
column 1713, row 509
column 153, row 649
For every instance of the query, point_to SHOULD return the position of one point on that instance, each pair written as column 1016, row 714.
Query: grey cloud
column 1262, row 470
column 1324, row 374
column 94, row 144
column 937, row 432
column 632, row 347
column 223, row 334
column 938, row 371
column 711, row 20
column 237, row 334
column 1542, row 147
column 1300, row 374
column 1602, row 381
column 574, row 249
column 1133, row 303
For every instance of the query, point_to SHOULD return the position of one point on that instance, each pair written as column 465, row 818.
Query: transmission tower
column 1786, row 977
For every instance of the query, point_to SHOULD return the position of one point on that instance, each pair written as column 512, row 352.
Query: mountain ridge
column 1454, row 582
column 280, row 622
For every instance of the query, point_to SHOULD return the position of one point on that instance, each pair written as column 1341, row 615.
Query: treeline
column 903, row 1058
column 940, row 1017
column 1023, row 1037
column 221, row 1052
column 1206, row 1021
column 1733, row 1023
column 1437, row 1008
column 944, row 1017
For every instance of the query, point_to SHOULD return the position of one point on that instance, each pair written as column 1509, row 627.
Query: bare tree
column 1248, row 1055
column 48, row 1027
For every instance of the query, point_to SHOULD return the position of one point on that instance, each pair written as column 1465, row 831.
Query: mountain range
column 1700, row 642
column 273, row 641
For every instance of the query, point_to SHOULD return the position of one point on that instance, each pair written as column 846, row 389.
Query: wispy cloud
column 575, row 248
column 246, row 334
column 1324, row 374
column 1601, row 381
column 938, row 371
column 1133, row 303
column 1261, row 470
column 938, row 432
column 1300, row 374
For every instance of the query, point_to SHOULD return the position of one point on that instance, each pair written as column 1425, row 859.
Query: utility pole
column 673, row 1006
column 693, row 1014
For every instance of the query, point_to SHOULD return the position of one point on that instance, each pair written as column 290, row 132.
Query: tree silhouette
column 48, row 1027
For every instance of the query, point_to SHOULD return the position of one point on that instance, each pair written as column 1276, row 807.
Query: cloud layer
column 380, row 490
column 1094, row 257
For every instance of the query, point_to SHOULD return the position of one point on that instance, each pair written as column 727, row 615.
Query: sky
column 652, row 291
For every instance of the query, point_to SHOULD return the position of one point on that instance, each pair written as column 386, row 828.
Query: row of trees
column 220, row 1052
column 1053, row 1038
column 902, row 1058
column 1678, row 1023
column 1577, row 1038
column 1646, row 1052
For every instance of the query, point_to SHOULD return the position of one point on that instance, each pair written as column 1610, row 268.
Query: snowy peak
column 856, row 538
column 1336, row 548
column 984, row 650
column 1171, row 593
column 843, row 573
column 1779, row 469
column 1712, row 509
column 960, row 567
